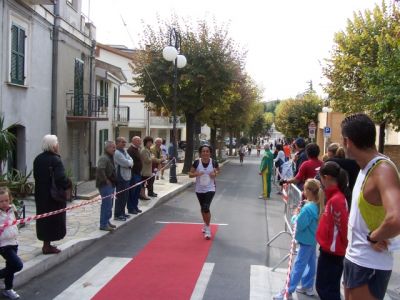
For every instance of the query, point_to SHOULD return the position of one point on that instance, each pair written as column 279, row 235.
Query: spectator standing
column 106, row 179
column 266, row 169
column 205, row 170
column 46, row 165
column 157, row 154
column 123, row 164
column 8, row 244
column 164, row 154
column 307, row 221
column 375, row 213
column 308, row 169
column 147, row 162
column 134, row 193
column 279, row 159
column 332, row 231
column 337, row 154
column 300, row 154
column 286, row 149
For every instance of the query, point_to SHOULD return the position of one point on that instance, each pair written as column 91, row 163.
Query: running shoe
column 203, row 229
column 207, row 233
column 10, row 294
column 281, row 296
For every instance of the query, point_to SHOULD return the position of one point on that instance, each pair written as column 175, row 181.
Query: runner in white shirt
column 205, row 170
column 374, row 216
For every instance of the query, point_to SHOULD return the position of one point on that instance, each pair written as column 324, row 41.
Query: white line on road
column 202, row 282
column 195, row 223
column 89, row 284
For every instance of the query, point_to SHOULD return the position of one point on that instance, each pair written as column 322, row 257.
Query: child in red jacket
column 332, row 231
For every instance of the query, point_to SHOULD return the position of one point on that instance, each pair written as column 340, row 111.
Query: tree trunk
column 213, row 141
column 190, row 122
column 382, row 127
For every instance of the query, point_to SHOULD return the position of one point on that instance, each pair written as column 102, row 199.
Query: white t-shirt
column 205, row 183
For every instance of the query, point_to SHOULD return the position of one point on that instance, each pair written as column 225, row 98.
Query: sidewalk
column 82, row 226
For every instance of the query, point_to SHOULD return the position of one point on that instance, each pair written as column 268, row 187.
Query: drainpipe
column 92, row 132
column 54, row 71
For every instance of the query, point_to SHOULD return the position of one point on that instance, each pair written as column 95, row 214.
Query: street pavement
column 239, row 264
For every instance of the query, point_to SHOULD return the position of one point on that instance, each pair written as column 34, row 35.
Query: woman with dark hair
column 332, row 231
column 205, row 169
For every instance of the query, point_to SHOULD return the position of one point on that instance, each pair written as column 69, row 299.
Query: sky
column 287, row 42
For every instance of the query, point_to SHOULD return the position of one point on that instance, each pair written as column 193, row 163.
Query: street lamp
column 171, row 53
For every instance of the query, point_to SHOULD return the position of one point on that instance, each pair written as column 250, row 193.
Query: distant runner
column 242, row 152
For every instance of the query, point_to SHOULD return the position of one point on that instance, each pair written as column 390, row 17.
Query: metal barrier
column 291, row 197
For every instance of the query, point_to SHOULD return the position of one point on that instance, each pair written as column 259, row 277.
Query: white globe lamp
column 169, row 53
column 181, row 61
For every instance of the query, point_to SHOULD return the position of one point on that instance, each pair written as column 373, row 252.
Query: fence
column 291, row 197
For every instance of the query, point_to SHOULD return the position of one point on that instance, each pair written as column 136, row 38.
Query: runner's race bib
column 205, row 180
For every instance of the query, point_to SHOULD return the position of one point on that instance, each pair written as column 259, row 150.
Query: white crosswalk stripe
column 202, row 282
column 90, row 283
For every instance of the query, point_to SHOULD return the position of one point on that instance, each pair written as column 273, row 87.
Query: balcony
column 163, row 122
column 121, row 115
column 86, row 107
column 42, row 2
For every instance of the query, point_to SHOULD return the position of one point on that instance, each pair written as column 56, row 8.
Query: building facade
column 26, row 76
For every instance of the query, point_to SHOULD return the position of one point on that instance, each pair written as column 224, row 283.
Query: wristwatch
column 369, row 238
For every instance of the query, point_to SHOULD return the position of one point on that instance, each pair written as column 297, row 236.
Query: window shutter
column 17, row 68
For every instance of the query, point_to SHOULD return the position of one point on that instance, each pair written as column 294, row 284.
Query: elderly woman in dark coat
column 50, row 228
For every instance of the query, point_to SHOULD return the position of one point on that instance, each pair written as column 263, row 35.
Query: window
column 18, row 39
column 103, row 137
column 103, row 93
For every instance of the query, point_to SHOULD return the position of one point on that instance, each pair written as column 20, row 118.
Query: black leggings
column 205, row 201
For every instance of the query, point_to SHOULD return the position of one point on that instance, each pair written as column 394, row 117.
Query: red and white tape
column 56, row 212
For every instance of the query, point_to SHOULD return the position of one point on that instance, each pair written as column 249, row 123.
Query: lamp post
column 171, row 53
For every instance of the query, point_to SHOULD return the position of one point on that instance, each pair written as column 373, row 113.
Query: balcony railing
column 86, row 107
column 121, row 115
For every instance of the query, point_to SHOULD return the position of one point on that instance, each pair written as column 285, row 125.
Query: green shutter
column 100, row 142
column 115, row 96
column 78, row 88
column 17, row 68
column 106, row 94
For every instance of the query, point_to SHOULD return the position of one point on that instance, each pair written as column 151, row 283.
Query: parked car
column 227, row 140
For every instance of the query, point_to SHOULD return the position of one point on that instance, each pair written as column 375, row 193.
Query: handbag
column 56, row 193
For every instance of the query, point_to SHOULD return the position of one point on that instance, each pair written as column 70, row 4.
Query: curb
column 43, row 263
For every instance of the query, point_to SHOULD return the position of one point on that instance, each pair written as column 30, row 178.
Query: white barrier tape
column 56, row 212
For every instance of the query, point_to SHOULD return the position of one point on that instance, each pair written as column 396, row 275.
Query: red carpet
column 167, row 268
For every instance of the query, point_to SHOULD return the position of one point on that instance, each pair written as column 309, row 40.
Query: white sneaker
column 10, row 294
column 203, row 229
column 308, row 292
column 207, row 233
column 281, row 296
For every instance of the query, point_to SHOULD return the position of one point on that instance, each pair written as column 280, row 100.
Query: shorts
column 205, row 200
column 355, row 276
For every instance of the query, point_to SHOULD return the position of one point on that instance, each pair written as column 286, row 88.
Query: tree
column 213, row 62
column 363, row 68
column 293, row 116
column 7, row 140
